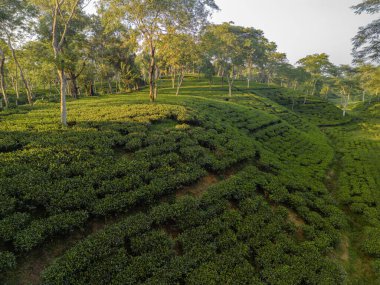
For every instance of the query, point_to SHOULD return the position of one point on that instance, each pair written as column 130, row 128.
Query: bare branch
column 71, row 15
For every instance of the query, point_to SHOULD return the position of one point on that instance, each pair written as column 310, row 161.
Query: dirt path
column 199, row 188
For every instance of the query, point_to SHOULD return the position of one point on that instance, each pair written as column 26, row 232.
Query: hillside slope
column 194, row 189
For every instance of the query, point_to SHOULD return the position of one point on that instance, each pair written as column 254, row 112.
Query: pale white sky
column 299, row 27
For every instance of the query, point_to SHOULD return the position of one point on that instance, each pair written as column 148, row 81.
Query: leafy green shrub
column 39, row 230
column 7, row 261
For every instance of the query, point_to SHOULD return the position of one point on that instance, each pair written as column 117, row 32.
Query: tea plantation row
column 272, row 222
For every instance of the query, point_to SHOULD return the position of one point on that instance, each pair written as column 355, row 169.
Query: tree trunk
column 16, row 87
column 26, row 84
column 363, row 97
column 219, row 71
column 63, row 81
column 92, row 91
column 73, row 85
column 314, row 87
column 50, row 90
column 152, row 81
column 345, row 100
column 156, row 76
column 173, row 78
column 230, row 85
column 110, row 91
column 249, row 73
column 180, row 81
column 293, row 102
column 2, row 78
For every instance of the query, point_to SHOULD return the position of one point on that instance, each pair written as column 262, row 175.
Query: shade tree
column 61, row 14
column 369, row 78
column 225, row 46
column 16, row 17
column 366, row 44
column 346, row 84
column 154, row 18
column 180, row 52
column 318, row 65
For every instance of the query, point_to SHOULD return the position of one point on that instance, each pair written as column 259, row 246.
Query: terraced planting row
column 231, row 235
column 358, row 165
column 353, row 178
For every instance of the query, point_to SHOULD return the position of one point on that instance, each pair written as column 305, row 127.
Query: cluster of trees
column 56, row 47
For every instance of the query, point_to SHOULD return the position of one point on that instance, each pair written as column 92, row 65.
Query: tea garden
column 200, row 188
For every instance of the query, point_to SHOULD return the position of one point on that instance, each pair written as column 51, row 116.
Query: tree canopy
column 367, row 41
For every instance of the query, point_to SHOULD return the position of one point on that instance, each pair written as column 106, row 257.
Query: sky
column 299, row 27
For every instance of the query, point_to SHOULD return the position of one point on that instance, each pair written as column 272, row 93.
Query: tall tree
column 113, row 51
column 154, row 18
column 61, row 12
column 369, row 77
column 346, row 85
column 367, row 41
column 179, row 51
column 255, row 46
column 225, row 44
column 15, row 19
column 317, row 65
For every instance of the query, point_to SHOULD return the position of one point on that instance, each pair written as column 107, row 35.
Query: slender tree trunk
column 180, row 81
column 219, row 71
column 73, row 85
column 16, row 87
column 230, row 85
column 345, row 106
column 109, row 86
column 345, row 100
column 230, row 88
column 173, row 78
column 63, row 81
column 92, row 90
column 249, row 73
column 156, row 76
column 26, row 84
column 75, row 89
column 314, row 87
column 2, row 79
column 293, row 102
column 152, row 67
column 50, row 90
column 363, row 96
